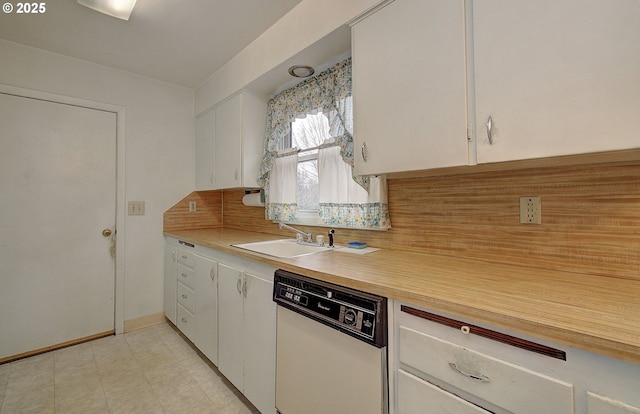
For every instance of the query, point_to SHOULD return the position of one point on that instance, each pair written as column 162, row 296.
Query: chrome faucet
column 307, row 236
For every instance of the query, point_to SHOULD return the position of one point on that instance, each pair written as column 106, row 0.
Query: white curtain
column 343, row 202
column 282, row 205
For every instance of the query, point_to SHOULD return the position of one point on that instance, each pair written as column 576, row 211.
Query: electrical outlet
column 192, row 206
column 530, row 210
column 136, row 208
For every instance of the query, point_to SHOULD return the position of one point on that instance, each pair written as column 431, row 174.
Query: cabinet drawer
column 598, row 404
column 186, row 297
column 186, row 276
column 186, row 322
column 186, row 258
column 504, row 384
column 416, row 396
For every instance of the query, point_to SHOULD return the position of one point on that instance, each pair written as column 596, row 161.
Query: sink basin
column 284, row 248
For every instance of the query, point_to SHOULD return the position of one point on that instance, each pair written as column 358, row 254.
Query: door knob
column 106, row 232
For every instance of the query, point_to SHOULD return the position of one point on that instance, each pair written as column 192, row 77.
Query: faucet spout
column 307, row 236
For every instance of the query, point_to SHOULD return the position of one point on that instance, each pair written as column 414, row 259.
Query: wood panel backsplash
column 208, row 212
column 590, row 218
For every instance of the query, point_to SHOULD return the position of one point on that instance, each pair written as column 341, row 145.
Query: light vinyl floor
column 150, row 370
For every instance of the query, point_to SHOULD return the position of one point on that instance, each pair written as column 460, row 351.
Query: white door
column 58, row 194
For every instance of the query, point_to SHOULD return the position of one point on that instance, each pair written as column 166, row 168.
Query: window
column 308, row 132
column 307, row 165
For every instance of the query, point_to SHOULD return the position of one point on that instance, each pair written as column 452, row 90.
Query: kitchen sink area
column 285, row 248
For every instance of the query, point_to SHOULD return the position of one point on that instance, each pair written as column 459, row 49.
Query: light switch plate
column 136, row 208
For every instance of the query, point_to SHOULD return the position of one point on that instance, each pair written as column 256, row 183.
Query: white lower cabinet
column 205, row 306
column 185, row 321
column 444, row 370
column 223, row 304
column 247, row 329
column 441, row 364
column 599, row 404
column 490, row 379
column 417, row 396
column 170, row 270
column 231, row 324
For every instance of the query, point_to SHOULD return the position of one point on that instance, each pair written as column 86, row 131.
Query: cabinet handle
column 183, row 275
column 479, row 377
column 239, row 286
column 490, row 130
column 184, row 320
column 363, row 150
column 235, row 174
column 212, row 273
column 184, row 296
column 173, row 255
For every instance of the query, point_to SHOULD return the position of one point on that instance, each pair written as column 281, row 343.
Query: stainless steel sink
column 284, row 248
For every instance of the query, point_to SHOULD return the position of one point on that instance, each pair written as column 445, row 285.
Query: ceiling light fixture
column 301, row 71
column 120, row 9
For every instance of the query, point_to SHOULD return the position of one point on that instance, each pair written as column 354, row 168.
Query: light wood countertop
column 594, row 313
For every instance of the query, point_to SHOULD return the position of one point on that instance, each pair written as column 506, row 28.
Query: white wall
column 159, row 153
column 303, row 26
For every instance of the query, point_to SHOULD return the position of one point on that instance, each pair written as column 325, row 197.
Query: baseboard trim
column 143, row 322
column 55, row 347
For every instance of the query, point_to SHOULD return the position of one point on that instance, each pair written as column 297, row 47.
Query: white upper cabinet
column 409, row 87
column 556, row 77
column 229, row 143
column 205, row 140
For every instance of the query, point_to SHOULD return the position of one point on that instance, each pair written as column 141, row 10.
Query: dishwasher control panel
column 359, row 314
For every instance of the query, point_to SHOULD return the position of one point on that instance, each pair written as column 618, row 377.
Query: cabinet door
column 206, row 307
column 170, row 282
column 205, row 130
column 228, row 147
column 254, row 118
column 260, row 343
column 185, row 321
column 556, row 77
column 409, row 87
column 497, row 381
column 416, row 396
column 230, row 324
column 599, row 404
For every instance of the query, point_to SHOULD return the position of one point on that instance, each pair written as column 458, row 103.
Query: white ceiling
column 177, row 41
